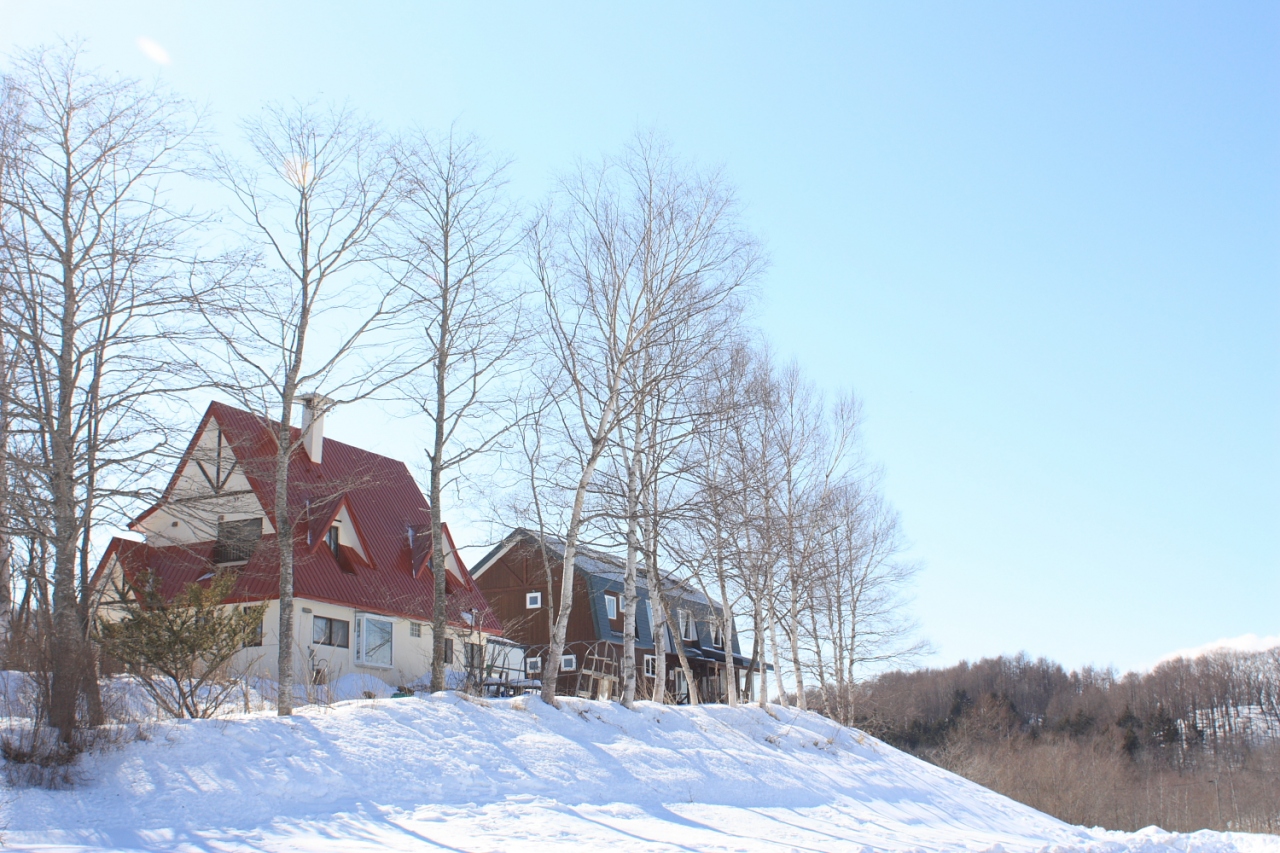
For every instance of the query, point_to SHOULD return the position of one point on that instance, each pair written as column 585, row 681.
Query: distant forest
column 1193, row 744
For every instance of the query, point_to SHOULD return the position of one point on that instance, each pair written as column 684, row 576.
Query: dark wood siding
column 520, row 571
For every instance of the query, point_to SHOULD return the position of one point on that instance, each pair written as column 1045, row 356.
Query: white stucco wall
column 410, row 656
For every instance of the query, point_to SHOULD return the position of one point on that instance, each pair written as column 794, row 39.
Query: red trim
column 177, row 473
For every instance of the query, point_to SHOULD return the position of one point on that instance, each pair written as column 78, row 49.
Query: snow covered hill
column 450, row 773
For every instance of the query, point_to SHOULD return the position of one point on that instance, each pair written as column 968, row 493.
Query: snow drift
column 451, row 773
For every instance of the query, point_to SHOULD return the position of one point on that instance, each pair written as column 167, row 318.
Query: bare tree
column 307, row 306
column 628, row 254
column 456, row 240
column 10, row 117
column 858, row 614
column 91, row 313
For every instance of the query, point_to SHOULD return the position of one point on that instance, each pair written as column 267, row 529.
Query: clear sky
column 1041, row 240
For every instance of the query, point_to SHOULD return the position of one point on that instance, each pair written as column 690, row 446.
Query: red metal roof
column 383, row 502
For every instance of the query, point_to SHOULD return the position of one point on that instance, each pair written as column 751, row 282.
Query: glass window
column 373, row 640
column 688, row 628
column 533, row 600
column 330, row 632
column 651, row 666
column 474, row 655
column 448, row 651
column 237, row 540
column 332, row 539
column 415, row 629
column 255, row 634
column 568, row 663
column 716, row 639
column 611, row 605
column 533, row 666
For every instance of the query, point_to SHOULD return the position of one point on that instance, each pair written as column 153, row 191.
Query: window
column 448, row 651
column 332, row 539
column 716, row 639
column 651, row 666
column 373, row 640
column 532, row 666
column 255, row 635
column 330, row 632
column 568, row 663
column 532, row 600
column 236, row 540
column 611, row 605
column 688, row 628
column 474, row 653
column 415, row 629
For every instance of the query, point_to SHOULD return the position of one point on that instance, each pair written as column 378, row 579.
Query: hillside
column 450, row 773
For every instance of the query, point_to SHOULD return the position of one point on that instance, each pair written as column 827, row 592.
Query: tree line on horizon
column 588, row 357
column 1191, row 744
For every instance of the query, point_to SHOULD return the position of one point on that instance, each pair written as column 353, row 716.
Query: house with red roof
column 363, row 578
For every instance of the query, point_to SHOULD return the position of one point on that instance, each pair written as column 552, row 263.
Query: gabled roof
column 607, row 573
column 384, row 505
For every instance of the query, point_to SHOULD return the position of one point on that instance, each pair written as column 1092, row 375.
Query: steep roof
column 593, row 563
column 387, row 509
column 606, row 573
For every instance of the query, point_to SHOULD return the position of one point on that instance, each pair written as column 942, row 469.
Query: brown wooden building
column 513, row 578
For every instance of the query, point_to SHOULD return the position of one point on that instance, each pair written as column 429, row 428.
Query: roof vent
column 313, row 408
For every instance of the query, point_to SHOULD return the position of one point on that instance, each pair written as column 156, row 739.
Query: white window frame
column 717, row 635
column 415, row 629
column 532, row 600
column 533, row 665
column 650, row 666
column 568, row 663
column 611, row 605
column 362, row 635
column 688, row 626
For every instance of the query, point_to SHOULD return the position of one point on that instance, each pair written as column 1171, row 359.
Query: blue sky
column 1042, row 241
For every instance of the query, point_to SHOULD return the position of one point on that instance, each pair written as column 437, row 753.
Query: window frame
column 255, row 639
column 334, row 540
column 233, row 544
column 533, row 665
column 566, row 660
column 448, row 651
column 651, row 666
column 533, row 600
column 415, row 630
column 362, row 640
column 686, row 620
column 717, row 634
column 327, row 640
column 611, row 606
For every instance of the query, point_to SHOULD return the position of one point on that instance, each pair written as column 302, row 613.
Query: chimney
column 313, row 408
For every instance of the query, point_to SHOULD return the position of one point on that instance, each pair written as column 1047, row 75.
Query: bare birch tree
column 859, row 613
column 308, row 307
column 91, row 313
column 627, row 254
column 456, row 240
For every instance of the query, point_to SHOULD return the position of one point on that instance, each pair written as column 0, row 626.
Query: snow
column 447, row 772
column 1243, row 643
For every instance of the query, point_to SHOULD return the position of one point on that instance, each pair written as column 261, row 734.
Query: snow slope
column 450, row 773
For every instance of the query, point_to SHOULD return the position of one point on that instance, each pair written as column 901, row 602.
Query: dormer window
column 332, row 539
column 717, row 638
column 688, row 628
